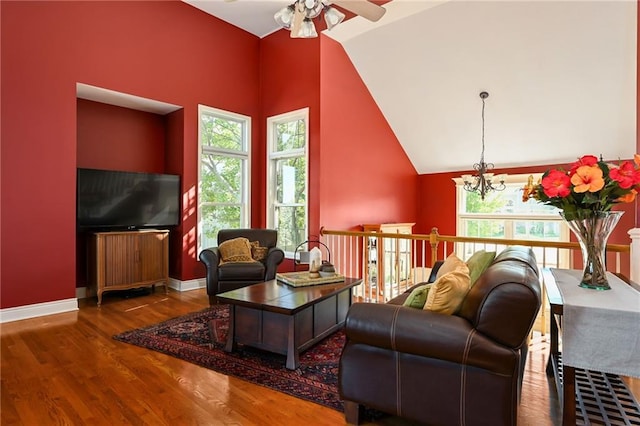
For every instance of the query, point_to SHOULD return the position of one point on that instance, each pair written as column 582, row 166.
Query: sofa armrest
column 425, row 333
column 211, row 258
column 275, row 256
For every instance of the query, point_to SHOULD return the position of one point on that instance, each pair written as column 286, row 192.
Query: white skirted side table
column 599, row 330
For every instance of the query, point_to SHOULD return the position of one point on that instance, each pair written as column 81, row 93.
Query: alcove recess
column 120, row 131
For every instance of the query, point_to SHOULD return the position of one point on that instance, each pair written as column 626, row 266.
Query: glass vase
column 593, row 233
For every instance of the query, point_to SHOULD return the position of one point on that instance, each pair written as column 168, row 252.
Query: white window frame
column 564, row 257
column 273, row 157
column 244, row 154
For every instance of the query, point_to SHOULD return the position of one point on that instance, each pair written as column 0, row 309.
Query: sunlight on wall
column 189, row 203
column 189, row 210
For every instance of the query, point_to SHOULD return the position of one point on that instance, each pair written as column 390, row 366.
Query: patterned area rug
column 199, row 338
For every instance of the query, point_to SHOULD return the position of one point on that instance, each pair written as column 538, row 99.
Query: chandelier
column 298, row 17
column 483, row 182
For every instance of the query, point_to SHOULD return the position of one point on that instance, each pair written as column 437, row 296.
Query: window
column 504, row 215
column 287, row 171
column 224, row 179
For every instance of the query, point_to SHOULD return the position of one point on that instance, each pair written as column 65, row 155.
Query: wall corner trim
column 38, row 310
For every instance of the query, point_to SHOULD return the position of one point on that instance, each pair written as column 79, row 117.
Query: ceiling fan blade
column 364, row 8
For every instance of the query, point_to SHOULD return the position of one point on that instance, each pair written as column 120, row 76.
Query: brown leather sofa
column 463, row 369
column 230, row 276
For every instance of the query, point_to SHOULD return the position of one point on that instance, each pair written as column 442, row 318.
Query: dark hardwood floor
column 67, row 369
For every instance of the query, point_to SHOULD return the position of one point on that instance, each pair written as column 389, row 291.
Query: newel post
column 433, row 241
column 635, row 254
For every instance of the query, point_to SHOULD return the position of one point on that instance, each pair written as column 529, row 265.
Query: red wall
column 168, row 51
column 366, row 177
column 115, row 138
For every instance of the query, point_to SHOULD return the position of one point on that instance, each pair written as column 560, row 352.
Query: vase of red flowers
column 586, row 195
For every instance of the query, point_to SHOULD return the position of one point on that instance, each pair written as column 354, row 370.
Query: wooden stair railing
column 347, row 255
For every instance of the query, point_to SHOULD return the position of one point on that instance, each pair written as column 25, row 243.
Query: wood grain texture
column 67, row 369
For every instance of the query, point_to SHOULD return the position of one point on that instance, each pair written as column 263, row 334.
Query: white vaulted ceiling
column 561, row 76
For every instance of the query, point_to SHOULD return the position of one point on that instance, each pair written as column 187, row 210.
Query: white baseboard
column 38, row 310
column 178, row 285
column 187, row 285
column 68, row 305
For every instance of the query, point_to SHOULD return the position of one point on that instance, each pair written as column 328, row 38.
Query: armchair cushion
column 449, row 291
column 241, row 271
column 235, row 250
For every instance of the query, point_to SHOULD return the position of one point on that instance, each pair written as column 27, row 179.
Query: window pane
column 215, row 218
column 493, row 202
column 221, row 179
column 291, row 226
column 290, row 135
column 508, row 201
column 537, row 230
column 222, row 133
column 291, row 180
column 484, row 228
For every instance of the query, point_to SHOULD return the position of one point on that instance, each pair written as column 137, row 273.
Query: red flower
column 585, row 160
column 556, row 184
column 626, row 175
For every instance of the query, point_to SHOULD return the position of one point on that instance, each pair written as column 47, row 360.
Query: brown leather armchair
column 229, row 276
column 463, row 369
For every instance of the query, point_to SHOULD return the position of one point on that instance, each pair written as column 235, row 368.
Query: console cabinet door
column 119, row 253
column 153, row 256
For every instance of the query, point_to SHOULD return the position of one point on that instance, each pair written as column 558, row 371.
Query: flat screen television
column 110, row 200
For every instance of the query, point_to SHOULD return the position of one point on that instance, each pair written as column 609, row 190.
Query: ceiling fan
column 298, row 16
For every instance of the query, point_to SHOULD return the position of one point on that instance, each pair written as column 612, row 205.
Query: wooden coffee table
column 278, row 318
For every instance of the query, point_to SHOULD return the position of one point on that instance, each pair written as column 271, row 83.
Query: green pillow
column 478, row 263
column 418, row 296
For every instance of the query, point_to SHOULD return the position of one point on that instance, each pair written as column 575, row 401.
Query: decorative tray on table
column 301, row 279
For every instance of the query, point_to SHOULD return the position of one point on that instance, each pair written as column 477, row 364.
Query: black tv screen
column 127, row 200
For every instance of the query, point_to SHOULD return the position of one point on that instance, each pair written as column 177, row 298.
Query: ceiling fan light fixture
column 284, row 17
column 307, row 29
column 332, row 17
column 313, row 8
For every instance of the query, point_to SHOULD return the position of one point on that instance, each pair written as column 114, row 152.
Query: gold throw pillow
column 235, row 250
column 258, row 252
column 448, row 292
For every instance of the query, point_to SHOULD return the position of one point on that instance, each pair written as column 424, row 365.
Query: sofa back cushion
column 505, row 299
